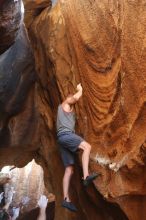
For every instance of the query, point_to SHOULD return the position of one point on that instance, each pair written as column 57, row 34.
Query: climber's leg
column 66, row 181
column 66, row 185
column 85, row 157
column 86, row 147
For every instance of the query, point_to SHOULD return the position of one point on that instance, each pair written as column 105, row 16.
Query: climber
column 69, row 143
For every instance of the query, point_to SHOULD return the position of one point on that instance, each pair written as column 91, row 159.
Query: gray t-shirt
column 65, row 121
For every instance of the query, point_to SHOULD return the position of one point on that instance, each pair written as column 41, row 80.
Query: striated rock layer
column 102, row 45
column 33, row 9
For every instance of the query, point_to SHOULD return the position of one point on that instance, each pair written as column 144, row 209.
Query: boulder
column 18, row 113
column 101, row 45
column 9, row 27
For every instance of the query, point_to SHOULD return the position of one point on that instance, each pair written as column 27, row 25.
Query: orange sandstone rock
column 33, row 8
column 102, row 45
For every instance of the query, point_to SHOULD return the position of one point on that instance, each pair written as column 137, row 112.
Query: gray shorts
column 68, row 144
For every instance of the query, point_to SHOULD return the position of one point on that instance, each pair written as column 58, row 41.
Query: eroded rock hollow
column 102, row 45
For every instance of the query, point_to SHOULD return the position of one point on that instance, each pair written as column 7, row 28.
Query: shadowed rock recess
column 102, row 45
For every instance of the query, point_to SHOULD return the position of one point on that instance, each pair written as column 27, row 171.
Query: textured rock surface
column 18, row 124
column 9, row 27
column 102, row 45
column 19, row 118
column 33, row 8
column 33, row 214
column 27, row 181
column 4, row 178
column 19, row 139
column 92, row 42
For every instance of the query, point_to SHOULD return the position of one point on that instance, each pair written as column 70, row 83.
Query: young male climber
column 69, row 143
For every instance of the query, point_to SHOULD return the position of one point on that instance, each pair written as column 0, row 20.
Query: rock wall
column 9, row 27
column 33, row 9
column 27, row 182
column 19, row 117
column 102, row 45
column 18, row 113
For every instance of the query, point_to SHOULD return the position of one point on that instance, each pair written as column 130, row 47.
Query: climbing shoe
column 90, row 178
column 69, row 205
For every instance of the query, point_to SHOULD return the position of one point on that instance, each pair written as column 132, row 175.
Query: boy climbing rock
column 69, row 143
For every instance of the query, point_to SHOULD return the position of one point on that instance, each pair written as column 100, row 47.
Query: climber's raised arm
column 79, row 92
column 72, row 99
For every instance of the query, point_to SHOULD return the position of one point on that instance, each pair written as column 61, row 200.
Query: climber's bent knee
column 85, row 146
column 69, row 170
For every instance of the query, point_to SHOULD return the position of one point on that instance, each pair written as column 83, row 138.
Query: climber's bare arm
column 79, row 92
column 72, row 99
